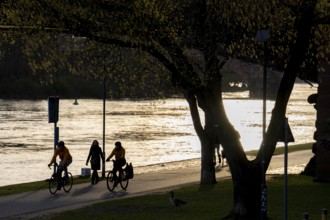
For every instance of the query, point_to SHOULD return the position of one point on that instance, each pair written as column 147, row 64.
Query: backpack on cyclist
column 129, row 171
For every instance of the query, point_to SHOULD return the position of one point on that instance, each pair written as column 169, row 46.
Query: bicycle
column 66, row 182
column 121, row 179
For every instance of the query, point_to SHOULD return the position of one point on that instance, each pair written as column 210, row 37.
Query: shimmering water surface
column 152, row 132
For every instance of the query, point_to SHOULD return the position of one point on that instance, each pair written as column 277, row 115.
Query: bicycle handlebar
column 51, row 165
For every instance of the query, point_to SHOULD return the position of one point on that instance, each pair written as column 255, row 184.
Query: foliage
column 53, row 53
column 282, row 19
column 154, row 22
column 155, row 27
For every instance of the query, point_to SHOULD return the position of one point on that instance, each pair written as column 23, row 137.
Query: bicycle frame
column 121, row 179
column 54, row 181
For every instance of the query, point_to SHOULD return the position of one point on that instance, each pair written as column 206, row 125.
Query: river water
column 153, row 132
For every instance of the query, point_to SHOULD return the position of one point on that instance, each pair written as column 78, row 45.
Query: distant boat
column 76, row 102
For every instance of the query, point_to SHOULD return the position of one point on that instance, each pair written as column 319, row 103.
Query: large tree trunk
column 247, row 175
column 217, row 129
column 247, row 192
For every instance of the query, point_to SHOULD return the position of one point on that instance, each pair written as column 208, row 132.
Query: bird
column 176, row 202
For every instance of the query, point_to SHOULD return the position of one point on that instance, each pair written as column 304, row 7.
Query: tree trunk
column 247, row 176
column 206, row 137
column 217, row 129
column 208, row 167
column 247, row 192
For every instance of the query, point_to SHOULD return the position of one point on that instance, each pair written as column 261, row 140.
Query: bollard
column 306, row 216
column 324, row 214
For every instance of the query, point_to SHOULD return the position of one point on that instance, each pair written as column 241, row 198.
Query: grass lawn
column 280, row 150
column 210, row 202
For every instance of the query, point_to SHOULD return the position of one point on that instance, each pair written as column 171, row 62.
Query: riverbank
column 182, row 164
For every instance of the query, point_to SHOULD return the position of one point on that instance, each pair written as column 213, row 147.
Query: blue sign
column 53, row 104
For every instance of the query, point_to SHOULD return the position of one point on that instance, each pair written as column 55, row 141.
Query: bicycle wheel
column 52, row 185
column 110, row 181
column 67, row 184
column 124, row 180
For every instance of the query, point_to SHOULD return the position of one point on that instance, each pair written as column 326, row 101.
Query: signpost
column 286, row 137
column 53, row 105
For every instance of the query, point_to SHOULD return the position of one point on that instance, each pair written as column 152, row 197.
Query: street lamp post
column 104, row 106
column 104, row 100
column 263, row 36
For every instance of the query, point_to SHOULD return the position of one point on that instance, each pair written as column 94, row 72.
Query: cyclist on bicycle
column 66, row 160
column 120, row 161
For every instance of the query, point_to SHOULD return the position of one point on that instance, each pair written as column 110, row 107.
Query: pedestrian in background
column 217, row 153
column 95, row 155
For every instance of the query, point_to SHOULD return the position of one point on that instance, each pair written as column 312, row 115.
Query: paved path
column 27, row 205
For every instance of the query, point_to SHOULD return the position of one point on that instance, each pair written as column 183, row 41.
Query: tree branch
column 191, row 99
column 304, row 33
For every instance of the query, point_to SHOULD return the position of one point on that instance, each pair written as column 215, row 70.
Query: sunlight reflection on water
column 153, row 132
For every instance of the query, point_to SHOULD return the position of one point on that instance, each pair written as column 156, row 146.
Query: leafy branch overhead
column 170, row 29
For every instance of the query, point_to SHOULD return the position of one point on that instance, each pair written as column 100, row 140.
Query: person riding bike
column 120, row 161
column 66, row 160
